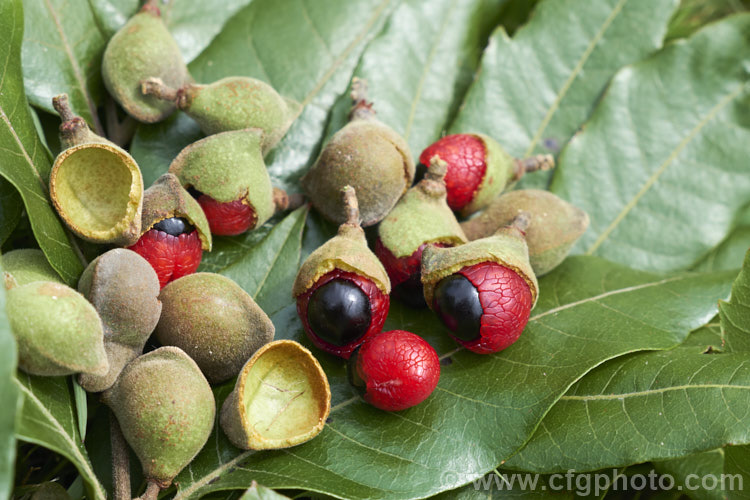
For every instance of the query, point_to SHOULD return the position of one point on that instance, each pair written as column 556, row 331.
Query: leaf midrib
column 649, row 392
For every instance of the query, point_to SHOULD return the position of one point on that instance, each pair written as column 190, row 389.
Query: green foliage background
column 627, row 359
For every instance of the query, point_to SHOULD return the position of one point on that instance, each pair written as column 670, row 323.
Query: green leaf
column 62, row 51
column 452, row 438
column 735, row 314
column 419, row 67
column 535, row 90
column 81, row 406
column 267, row 269
column 8, row 400
column 737, row 466
column 510, row 485
column 11, row 209
column 305, row 50
column 661, row 166
column 25, row 163
column 193, row 23
column 47, row 417
column 648, row 406
column 700, row 464
column 706, row 339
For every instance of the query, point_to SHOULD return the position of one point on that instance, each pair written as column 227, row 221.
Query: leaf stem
column 120, row 461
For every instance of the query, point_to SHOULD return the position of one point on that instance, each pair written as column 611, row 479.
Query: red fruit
column 486, row 306
column 341, row 310
column 395, row 370
column 171, row 256
column 465, row 155
column 227, row 219
column 405, row 273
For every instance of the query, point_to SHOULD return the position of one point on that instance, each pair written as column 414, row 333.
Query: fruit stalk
column 151, row 493
column 120, row 461
column 533, row 164
column 361, row 107
column 157, row 88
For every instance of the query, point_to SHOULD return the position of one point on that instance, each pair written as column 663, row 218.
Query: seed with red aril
column 465, row 155
column 394, row 370
column 227, row 219
column 485, row 306
column 405, row 273
column 172, row 247
column 341, row 310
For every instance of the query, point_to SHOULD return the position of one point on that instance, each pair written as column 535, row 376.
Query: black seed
column 456, row 302
column 351, row 373
column 446, row 361
column 174, row 226
column 410, row 292
column 339, row 312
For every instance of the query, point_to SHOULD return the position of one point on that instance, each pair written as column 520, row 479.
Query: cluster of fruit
column 478, row 276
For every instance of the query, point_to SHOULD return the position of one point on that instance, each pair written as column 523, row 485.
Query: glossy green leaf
column 661, row 167
column 62, row 52
column 8, row 400
column 266, row 270
column 419, row 67
column 707, row 338
column 25, row 163
column 452, row 438
column 735, row 314
column 512, row 485
column 695, row 466
column 535, row 90
column 193, row 23
column 320, row 42
column 648, row 406
column 47, row 417
column 737, row 467
column 11, row 208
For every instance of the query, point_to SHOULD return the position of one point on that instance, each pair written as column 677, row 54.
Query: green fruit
column 281, row 399
column 232, row 103
column 421, row 216
column 57, row 330
column 214, row 321
column 367, row 155
column 25, row 266
column 123, row 287
column 507, row 247
column 165, row 409
column 347, row 251
column 228, row 167
column 167, row 198
column 50, row 491
column 95, row 186
column 143, row 48
column 554, row 228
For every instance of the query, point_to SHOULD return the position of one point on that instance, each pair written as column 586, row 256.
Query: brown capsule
column 124, row 289
column 555, row 225
column 214, row 321
column 367, row 155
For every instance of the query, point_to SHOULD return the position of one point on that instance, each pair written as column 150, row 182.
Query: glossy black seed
column 174, row 226
column 339, row 312
column 353, row 376
column 456, row 302
column 410, row 292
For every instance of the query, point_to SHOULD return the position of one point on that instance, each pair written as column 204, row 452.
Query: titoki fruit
column 227, row 175
column 95, row 186
column 478, row 169
column 420, row 218
column 143, row 48
column 555, row 224
column 482, row 291
column 232, row 103
column 176, row 230
column 26, row 265
column 123, row 288
column 166, row 411
column 367, row 155
column 342, row 289
column 394, row 370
